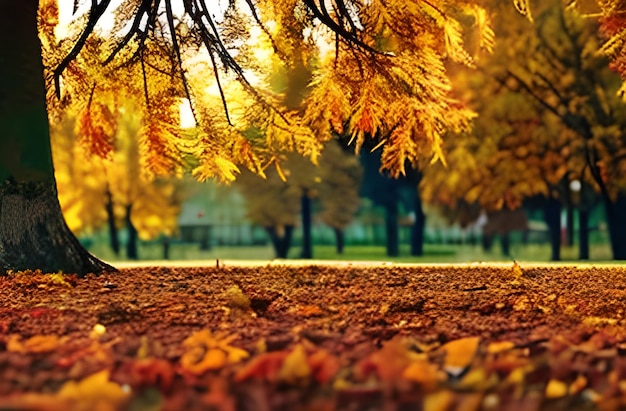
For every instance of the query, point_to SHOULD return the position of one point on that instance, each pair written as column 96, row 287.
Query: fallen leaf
column 36, row 344
column 459, row 354
column 152, row 372
column 324, row 366
column 198, row 360
column 295, row 368
column 556, row 389
column 516, row 271
column 94, row 392
column 388, row 363
column 424, row 373
column 264, row 367
column 577, row 385
column 497, row 347
column 207, row 351
column 438, row 401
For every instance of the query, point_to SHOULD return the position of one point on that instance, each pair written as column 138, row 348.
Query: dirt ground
column 316, row 337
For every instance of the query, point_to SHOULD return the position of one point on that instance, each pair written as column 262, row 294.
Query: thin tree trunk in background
column 33, row 233
column 132, row 252
column 114, row 237
column 391, row 230
column 570, row 225
column 583, row 234
column 505, row 243
column 486, row 242
column 418, row 227
column 307, row 241
column 166, row 248
column 552, row 216
column 616, row 220
column 281, row 241
column 339, row 240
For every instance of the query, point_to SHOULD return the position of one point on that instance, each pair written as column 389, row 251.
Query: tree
column 281, row 199
column 338, row 191
column 111, row 191
column 272, row 204
column 550, row 104
column 381, row 41
column 33, row 234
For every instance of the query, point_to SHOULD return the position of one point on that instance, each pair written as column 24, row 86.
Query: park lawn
column 433, row 253
column 324, row 336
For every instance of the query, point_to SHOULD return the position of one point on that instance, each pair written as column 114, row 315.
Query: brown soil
column 342, row 337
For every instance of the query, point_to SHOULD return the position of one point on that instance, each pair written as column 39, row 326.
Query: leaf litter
column 318, row 337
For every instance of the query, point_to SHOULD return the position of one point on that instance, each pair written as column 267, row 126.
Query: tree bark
column 339, row 238
column 33, row 233
column 307, row 241
column 616, row 220
column 391, row 230
column 132, row 252
column 552, row 216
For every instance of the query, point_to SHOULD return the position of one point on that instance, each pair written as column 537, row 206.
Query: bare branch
column 97, row 9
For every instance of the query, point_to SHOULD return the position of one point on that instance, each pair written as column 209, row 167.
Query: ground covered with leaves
column 317, row 337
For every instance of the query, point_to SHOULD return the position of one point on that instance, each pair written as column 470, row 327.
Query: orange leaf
column 36, row 344
column 423, row 373
column 324, row 366
column 264, row 367
column 459, row 354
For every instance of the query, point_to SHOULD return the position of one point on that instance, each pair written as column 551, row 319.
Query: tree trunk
column 583, row 233
column 132, row 252
column 114, row 237
column 616, row 220
column 281, row 240
column 505, row 244
column 487, row 242
column 305, row 210
column 391, row 230
column 166, row 247
column 570, row 225
column 339, row 238
column 552, row 216
column 33, row 233
column 417, row 230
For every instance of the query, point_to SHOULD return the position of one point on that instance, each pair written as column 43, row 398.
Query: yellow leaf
column 295, row 369
column 438, row 401
column 36, row 344
column 556, row 389
column 497, row 347
column 226, row 169
column 517, row 271
column 94, row 392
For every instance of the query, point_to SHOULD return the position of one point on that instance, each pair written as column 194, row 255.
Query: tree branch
column 96, row 11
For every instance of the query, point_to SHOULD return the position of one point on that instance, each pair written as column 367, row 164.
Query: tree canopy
column 369, row 70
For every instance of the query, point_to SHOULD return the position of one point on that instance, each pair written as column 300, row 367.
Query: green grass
column 432, row 253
